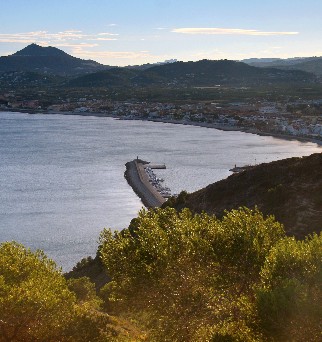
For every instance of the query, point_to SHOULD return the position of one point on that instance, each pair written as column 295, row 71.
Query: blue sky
column 123, row 32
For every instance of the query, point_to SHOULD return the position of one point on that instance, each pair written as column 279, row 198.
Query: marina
column 145, row 183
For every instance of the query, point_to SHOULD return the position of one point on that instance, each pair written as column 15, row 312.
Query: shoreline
column 276, row 135
column 139, row 182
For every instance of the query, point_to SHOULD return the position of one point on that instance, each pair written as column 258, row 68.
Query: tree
column 289, row 297
column 35, row 303
column 38, row 304
column 189, row 277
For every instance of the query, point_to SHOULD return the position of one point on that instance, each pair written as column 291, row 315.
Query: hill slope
column 115, row 77
column 35, row 58
column 290, row 189
column 309, row 64
column 194, row 74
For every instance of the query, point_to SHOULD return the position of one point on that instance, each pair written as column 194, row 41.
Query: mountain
column 308, row 64
column 201, row 73
column 205, row 73
column 27, row 79
column 149, row 65
column 290, row 189
column 49, row 60
column 223, row 72
column 115, row 77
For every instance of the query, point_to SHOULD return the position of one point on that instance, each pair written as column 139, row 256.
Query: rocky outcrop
column 290, row 189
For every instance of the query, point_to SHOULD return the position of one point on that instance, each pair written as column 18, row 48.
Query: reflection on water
column 62, row 180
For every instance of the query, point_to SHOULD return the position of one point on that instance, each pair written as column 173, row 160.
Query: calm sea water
column 62, row 177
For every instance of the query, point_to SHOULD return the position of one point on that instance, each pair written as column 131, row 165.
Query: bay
column 62, row 176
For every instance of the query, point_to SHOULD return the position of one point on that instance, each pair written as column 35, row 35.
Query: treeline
column 175, row 276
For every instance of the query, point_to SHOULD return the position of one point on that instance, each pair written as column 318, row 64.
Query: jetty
column 238, row 169
column 140, row 176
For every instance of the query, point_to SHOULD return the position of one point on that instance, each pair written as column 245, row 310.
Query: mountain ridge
column 308, row 64
column 193, row 74
column 49, row 60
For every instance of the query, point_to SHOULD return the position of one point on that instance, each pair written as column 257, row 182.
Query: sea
column 62, row 176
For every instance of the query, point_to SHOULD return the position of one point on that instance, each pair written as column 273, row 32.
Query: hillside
column 307, row 64
column 194, row 74
column 50, row 60
column 115, row 77
column 27, row 79
column 290, row 189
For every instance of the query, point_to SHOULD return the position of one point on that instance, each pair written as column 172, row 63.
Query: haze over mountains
column 308, row 64
column 87, row 73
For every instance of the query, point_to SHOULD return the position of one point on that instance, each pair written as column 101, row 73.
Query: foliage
column 34, row 299
column 289, row 298
column 37, row 304
column 181, row 277
column 85, row 291
column 190, row 277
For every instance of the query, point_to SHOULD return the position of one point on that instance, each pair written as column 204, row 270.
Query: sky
column 131, row 32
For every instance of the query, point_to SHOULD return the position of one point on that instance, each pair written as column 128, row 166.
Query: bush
column 186, row 275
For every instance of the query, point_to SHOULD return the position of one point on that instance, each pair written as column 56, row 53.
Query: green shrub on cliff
column 197, row 278
column 36, row 303
column 289, row 298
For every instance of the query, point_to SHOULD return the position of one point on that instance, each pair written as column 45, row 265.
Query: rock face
column 290, row 189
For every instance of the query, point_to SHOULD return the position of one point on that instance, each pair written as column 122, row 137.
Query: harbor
column 140, row 176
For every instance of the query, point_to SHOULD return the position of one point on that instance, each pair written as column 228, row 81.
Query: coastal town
column 301, row 119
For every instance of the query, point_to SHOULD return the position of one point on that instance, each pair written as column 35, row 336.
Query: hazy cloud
column 46, row 38
column 103, row 39
column 107, row 34
column 114, row 54
column 229, row 31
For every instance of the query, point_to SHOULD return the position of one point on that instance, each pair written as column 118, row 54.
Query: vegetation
column 192, row 277
column 179, row 276
column 37, row 303
column 290, row 189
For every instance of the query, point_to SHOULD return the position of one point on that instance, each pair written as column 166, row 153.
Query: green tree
column 35, row 303
column 38, row 304
column 289, row 297
column 189, row 277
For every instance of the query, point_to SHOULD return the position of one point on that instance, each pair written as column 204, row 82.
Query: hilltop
column 49, row 60
column 290, row 189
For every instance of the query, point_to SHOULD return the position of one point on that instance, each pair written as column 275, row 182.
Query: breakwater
column 140, row 177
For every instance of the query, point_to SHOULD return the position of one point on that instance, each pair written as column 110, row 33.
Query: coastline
column 138, row 180
column 179, row 122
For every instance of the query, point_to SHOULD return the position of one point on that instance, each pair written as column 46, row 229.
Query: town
column 300, row 118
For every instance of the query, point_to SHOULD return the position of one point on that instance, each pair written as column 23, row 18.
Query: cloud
column 46, row 38
column 229, row 31
column 77, row 46
column 107, row 34
column 103, row 39
column 114, row 54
